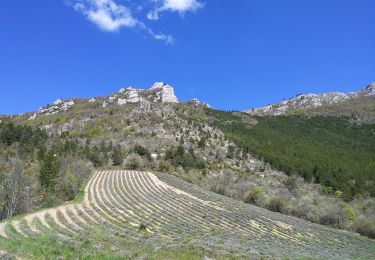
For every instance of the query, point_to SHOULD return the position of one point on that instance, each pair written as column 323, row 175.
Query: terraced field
column 161, row 211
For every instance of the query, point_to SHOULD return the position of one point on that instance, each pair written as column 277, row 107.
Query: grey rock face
column 303, row 101
column 158, row 92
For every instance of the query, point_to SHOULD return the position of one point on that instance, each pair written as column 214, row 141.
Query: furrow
column 166, row 204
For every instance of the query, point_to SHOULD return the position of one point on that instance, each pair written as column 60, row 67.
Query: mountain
column 158, row 92
column 295, row 165
column 357, row 105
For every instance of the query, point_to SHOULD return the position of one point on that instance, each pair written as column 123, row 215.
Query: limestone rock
column 305, row 101
column 58, row 106
column 158, row 92
column 162, row 92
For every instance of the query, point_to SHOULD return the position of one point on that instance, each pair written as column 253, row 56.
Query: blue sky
column 233, row 54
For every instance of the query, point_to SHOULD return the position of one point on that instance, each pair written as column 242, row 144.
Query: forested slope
column 328, row 150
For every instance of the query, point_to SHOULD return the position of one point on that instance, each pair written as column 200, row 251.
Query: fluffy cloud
column 180, row 6
column 106, row 14
column 110, row 15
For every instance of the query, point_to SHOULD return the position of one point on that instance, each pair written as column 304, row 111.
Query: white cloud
column 106, row 14
column 180, row 6
column 110, row 15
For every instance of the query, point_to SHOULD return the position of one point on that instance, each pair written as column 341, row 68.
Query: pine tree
column 117, row 157
column 202, row 143
column 49, row 171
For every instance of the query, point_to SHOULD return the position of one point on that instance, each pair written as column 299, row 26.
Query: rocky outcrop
column 132, row 96
column 308, row 101
column 159, row 92
column 58, row 106
column 162, row 92
column 124, row 96
column 197, row 102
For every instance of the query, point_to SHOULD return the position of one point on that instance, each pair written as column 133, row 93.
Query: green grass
column 95, row 244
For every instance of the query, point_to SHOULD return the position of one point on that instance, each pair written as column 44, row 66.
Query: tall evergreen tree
column 49, row 171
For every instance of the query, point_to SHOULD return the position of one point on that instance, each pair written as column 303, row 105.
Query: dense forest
column 326, row 150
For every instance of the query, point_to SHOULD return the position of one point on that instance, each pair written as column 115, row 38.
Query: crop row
column 128, row 202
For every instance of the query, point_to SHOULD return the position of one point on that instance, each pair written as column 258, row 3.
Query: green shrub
column 49, row 199
column 178, row 157
column 202, row 143
column 142, row 151
column 252, row 195
column 164, row 167
column 134, row 162
column 278, row 204
column 117, row 156
column 96, row 157
column 130, row 131
column 351, row 213
column 338, row 194
column 142, row 227
column 336, row 216
column 95, row 132
column 365, row 227
column 67, row 186
column 291, row 184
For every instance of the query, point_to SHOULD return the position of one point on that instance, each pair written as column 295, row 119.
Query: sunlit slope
column 172, row 211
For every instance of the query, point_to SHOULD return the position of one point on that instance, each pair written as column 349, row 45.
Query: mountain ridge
column 312, row 101
column 159, row 92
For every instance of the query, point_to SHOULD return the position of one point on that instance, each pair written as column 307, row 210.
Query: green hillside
column 327, row 150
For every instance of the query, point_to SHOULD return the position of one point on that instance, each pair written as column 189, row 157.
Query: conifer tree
column 49, row 171
column 117, row 157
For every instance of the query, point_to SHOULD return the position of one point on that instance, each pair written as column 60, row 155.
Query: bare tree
column 12, row 187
